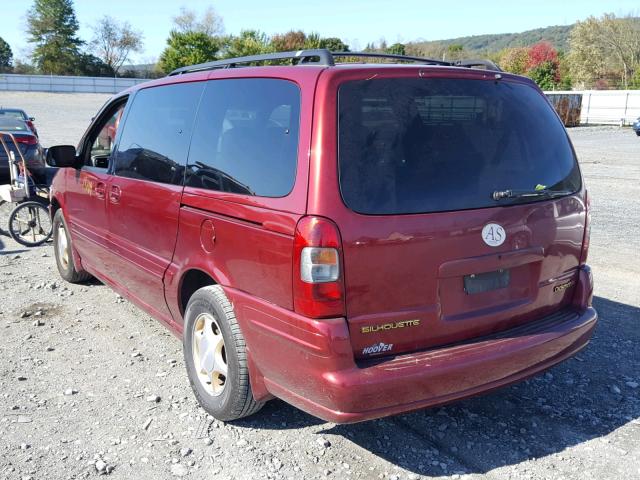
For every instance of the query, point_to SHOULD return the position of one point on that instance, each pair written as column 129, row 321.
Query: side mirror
column 62, row 156
column 33, row 119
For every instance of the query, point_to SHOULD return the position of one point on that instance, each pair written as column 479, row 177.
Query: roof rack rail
column 302, row 56
column 324, row 57
column 488, row 64
column 405, row 58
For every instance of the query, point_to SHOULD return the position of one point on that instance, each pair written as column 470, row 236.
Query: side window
column 103, row 143
column 246, row 137
column 155, row 139
column 99, row 145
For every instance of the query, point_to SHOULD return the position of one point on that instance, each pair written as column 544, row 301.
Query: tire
column 30, row 224
column 63, row 251
column 223, row 391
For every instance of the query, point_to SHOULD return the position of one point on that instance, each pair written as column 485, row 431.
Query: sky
column 357, row 22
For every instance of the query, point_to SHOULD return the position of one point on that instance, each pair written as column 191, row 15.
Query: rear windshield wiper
column 546, row 193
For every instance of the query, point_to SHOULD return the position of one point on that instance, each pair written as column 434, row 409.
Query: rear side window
column 155, row 140
column 432, row 145
column 246, row 137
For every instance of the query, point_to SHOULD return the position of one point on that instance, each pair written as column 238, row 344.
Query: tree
column 334, row 44
column 249, row 42
column 292, row 40
column 566, row 80
column 113, row 42
column 24, row 68
column 515, row 60
column 545, row 75
column 540, row 53
column 397, row 49
column 455, row 52
column 6, row 56
column 543, row 65
column 188, row 48
column 313, row 40
column 635, row 80
column 92, row 66
column 210, row 23
column 605, row 45
column 298, row 40
column 52, row 27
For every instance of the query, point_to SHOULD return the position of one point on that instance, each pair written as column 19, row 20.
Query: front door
column 86, row 190
column 144, row 192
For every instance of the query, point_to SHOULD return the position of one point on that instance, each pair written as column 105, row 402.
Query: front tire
column 215, row 355
column 63, row 251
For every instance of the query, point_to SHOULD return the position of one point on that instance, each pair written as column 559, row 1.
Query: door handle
column 114, row 194
column 99, row 190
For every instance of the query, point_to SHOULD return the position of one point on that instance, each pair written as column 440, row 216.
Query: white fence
column 53, row 83
column 613, row 107
column 606, row 107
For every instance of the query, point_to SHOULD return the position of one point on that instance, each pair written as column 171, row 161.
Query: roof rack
column 391, row 56
column 324, row 57
column 488, row 64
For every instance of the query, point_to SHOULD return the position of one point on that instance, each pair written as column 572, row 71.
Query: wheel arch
column 192, row 280
column 54, row 206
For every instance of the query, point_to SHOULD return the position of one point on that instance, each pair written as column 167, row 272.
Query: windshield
column 432, row 145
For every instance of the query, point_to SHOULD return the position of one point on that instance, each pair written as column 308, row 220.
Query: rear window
column 432, row 145
column 11, row 124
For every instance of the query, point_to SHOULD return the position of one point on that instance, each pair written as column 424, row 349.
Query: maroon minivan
column 357, row 239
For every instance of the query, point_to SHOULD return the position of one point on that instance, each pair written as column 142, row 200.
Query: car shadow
column 586, row 397
column 10, row 252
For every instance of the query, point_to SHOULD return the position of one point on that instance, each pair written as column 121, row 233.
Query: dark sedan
column 27, row 142
column 20, row 115
column 636, row 126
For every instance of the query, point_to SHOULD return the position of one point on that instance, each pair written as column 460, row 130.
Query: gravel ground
column 61, row 118
column 90, row 385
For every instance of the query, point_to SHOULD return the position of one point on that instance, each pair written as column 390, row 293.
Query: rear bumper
column 310, row 363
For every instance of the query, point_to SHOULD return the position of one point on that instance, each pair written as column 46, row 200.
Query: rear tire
column 215, row 355
column 63, row 251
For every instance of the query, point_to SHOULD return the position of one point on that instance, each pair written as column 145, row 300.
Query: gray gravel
column 99, row 388
column 61, row 118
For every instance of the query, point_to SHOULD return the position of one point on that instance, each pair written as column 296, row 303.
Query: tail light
column 318, row 287
column 26, row 139
column 587, row 229
column 31, row 126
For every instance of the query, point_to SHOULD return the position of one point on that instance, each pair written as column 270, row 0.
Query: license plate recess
column 485, row 282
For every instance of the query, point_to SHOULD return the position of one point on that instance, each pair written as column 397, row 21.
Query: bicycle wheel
column 29, row 224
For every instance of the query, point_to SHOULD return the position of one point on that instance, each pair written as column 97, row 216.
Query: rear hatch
column 466, row 216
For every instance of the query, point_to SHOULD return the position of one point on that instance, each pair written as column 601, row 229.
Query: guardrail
column 54, row 83
column 597, row 107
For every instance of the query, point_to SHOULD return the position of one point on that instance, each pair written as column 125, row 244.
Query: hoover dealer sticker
column 493, row 234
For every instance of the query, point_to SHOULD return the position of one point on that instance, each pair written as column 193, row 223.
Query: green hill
column 558, row 35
